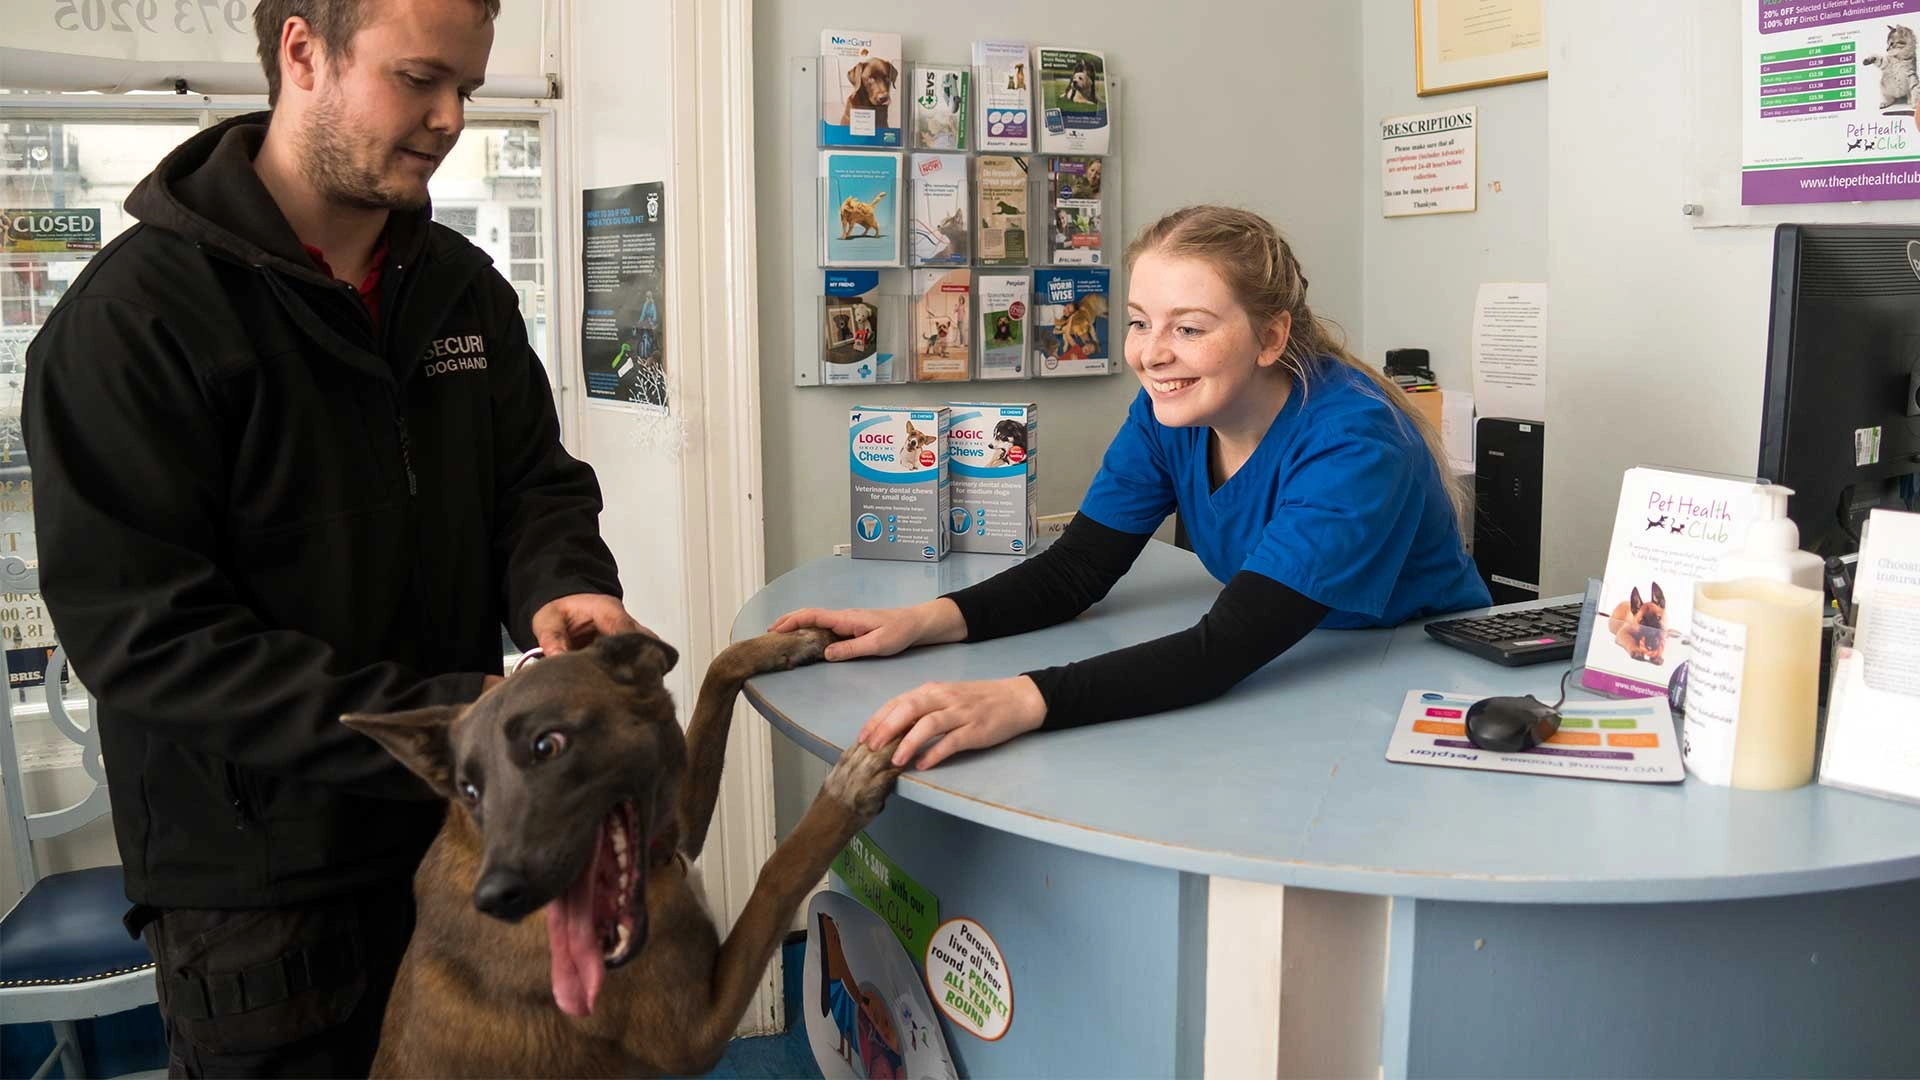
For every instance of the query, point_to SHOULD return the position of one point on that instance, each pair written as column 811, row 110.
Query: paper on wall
column 1510, row 350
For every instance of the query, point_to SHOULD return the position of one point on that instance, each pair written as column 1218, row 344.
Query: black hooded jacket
column 257, row 510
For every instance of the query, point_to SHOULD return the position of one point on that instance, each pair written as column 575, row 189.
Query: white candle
column 1753, row 683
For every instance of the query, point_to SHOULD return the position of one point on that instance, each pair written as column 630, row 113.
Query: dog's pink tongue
column 578, row 965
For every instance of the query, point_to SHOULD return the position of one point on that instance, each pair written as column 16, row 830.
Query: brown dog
column 936, row 338
column 1639, row 626
column 1075, row 323
column 1081, row 84
column 855, row 214
column 873, row 82
column 577, row 800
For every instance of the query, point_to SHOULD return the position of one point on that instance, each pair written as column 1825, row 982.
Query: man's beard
column 340, row 164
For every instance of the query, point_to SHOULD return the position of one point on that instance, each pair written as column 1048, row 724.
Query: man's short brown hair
column 334, row 22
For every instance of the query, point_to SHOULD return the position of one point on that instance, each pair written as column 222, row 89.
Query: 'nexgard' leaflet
column 994, row 477
column 898, row 457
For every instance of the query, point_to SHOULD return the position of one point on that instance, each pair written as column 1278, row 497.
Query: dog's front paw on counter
column 798, row 648
column 862, row 778
column 774, row 652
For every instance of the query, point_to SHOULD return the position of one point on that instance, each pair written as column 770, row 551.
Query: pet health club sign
column 1827, row 97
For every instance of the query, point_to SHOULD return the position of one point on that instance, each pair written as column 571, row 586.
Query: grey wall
column 1658, row 331
column 1251, row 104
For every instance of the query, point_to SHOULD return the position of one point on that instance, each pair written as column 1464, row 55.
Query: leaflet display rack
column 878, row 337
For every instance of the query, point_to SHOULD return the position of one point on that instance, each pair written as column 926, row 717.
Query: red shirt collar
column 369, row 289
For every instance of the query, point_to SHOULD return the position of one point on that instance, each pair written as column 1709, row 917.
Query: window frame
column 208, row 110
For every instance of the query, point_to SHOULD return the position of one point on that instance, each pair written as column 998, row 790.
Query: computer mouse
column 1506, row 724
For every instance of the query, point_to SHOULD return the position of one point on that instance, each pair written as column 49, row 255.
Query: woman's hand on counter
column 880, row 631
column 963, row 715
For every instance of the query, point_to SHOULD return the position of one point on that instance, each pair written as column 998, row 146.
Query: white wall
column 1250, row 104
column 1658, row 329
column 1421, row 273
column 620, row 94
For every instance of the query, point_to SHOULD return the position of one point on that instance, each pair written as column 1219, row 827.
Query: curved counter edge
column 1354, row 879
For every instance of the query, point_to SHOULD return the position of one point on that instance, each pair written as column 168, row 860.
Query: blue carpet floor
column 784, row 1055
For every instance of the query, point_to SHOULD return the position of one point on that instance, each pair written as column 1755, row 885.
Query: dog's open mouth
column 600, row 922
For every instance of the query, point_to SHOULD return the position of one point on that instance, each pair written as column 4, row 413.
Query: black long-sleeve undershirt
column 1254, row 620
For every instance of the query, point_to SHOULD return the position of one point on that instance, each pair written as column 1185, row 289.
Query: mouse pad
column 1598, row 740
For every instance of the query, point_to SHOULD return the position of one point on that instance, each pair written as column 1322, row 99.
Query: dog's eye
column 469, row 791
column 548, row 745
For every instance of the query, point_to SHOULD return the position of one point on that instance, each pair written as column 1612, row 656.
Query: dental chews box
column 994, row 476
column 900, row 486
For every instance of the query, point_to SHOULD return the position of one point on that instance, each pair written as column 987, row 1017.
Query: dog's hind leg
column 853, row 795
column 713, row 718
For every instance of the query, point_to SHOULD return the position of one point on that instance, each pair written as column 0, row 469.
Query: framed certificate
column 1466, row 44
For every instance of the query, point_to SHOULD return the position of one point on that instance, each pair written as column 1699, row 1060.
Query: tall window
column 62, row 185
column 493, row 191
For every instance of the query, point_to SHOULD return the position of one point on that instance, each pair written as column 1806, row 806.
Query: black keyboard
column 1514, row 638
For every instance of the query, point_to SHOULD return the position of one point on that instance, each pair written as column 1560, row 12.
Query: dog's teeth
column 619, row 842
column 621, row 935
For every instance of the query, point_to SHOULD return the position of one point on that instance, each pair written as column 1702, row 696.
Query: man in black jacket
column 294, row 459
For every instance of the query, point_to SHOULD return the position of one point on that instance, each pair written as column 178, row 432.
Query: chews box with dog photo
column 995, row 475
column 898, row 457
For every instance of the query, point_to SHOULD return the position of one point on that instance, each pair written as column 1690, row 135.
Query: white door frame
column 719, row 395
column 714, row 386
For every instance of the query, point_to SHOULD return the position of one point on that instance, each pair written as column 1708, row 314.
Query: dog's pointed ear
column 417, row 739
column 1633, row 601
column 1658, row 596
column 634, row 658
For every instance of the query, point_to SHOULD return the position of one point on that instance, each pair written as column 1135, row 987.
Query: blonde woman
column 1307, row 483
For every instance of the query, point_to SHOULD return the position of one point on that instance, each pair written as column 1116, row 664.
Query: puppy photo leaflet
column 860, row 99
column 1073, row 101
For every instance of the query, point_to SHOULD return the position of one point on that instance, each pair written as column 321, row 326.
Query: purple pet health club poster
column 1828, row 101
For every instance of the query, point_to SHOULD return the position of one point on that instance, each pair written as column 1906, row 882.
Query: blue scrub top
column 1340, row 502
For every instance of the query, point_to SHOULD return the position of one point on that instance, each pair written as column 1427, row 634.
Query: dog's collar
column 661, row 849
column 527, row 658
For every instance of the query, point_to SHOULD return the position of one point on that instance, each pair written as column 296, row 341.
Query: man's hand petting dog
column 880, row 631
column 574, row 622
column 962, row 715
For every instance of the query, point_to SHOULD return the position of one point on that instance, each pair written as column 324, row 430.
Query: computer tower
column 1509, row 457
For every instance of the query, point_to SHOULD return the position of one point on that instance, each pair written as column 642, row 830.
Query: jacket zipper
column 406, row 448
column 242, row 813
column 384, row 335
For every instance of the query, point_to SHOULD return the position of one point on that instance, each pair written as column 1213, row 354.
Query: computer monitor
column 1841, row 420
